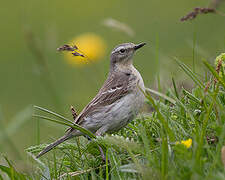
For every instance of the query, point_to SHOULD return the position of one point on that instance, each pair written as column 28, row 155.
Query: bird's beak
column 139, row 46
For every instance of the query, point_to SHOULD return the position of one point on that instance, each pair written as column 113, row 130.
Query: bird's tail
column 54, row 144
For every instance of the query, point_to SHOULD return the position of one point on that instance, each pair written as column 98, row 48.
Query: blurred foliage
column 32, row 72
column 154, row 145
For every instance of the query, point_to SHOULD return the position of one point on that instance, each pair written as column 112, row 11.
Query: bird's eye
column 122, row 51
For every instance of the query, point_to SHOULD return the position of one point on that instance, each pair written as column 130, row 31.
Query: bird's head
column 123, row 53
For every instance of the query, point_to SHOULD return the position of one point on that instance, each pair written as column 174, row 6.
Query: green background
column 53, row 23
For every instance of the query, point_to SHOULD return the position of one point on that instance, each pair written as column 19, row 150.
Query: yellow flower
column 90, row 45
column 186, row 143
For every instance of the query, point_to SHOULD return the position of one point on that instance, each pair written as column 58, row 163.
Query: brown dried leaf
column 77, row 54
column 67, row 47
column 196, row 11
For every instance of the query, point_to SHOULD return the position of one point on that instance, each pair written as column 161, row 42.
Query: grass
column 150, row 147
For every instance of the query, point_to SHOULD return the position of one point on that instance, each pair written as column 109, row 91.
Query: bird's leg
column 99, row 133
column 102, row 153
column 99, row 147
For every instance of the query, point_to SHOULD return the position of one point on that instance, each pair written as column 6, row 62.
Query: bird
column 118, row 101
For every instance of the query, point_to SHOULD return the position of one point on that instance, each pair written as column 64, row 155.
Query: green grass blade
column 74, row 126
column 217, row 156
column 161, row 118
column 190, row 73
column 146, row 143
column 215, row 74
column 161, row 95
column 6, row 170
column 190, row 96
column 179, row 102
column 175, row 88
column 198, row 162
column 115, row 163
column 38, row 131
column 46, row 172
column 53, row 113
column 11, row 171
column 107, row 164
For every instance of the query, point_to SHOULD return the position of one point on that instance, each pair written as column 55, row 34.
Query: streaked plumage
column 117, row 102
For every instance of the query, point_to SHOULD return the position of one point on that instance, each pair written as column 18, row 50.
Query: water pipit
column 117, row 102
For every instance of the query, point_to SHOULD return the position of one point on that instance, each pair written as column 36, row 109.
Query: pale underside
column 114, row 106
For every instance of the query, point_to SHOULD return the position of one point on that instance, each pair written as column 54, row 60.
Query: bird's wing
column 115, row 87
